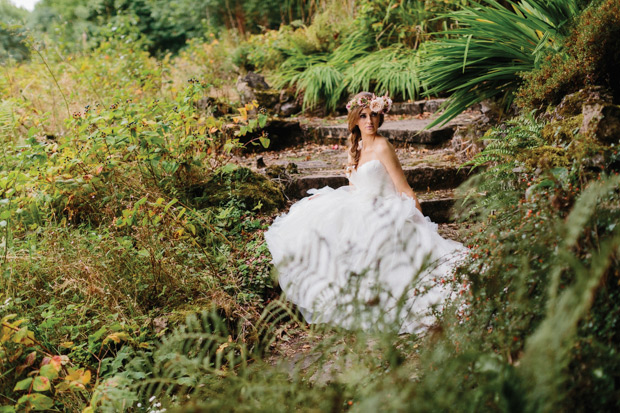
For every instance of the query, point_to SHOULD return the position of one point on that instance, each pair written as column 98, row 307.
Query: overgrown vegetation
column 134, row 275
column 590, row 56
column 107, row 236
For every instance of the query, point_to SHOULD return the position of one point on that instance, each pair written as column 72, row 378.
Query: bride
column 363, row 255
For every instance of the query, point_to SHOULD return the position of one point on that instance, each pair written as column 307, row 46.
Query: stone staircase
column 313, row 154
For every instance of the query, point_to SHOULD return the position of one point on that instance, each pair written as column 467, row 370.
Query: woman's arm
column 387, row 155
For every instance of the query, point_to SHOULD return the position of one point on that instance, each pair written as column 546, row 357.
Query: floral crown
column 379, row 104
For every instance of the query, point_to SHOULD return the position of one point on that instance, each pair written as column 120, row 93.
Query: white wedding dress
column 362, row 256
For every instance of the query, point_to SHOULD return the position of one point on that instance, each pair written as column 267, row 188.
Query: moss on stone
column 562, row 131
column 242, row 184
column 546, row 157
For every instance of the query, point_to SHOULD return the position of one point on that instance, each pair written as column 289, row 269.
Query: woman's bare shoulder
column 383, row 146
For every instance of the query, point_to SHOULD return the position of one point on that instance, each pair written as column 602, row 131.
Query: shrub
column 260, row 51
column 590, row 56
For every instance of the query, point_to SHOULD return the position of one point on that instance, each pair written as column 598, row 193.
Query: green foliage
column 259, row 52
column 165, row 27
column 12, row 34
column 408, row 22
column 375, row 50
column 67, row 21
column 589, row 57
column 483, row 57
column 103, row 243
column 393, row 70
column 250, row 16
column 242, row 186
column 44, row 377
column 122, row 214
column 533, row 331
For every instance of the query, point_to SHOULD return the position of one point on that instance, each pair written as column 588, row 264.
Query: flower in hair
column 378, row 104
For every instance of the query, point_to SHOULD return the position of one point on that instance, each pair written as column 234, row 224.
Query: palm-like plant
column 393, row 70
column 483, row 56
column 321, row 76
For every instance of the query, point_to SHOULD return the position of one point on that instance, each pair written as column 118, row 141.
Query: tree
column 12, row 33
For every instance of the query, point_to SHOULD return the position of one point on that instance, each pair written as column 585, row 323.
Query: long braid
column 354, row 150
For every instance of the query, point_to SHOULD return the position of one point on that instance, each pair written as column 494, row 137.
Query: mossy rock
column 546, row 157
column 267, row 98
column 562, row 131
column 231, row 181
column 572, row 105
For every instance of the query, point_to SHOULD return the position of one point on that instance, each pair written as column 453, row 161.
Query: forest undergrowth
column 134, row 272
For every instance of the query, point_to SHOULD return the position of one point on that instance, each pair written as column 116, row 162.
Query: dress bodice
column 372, row 178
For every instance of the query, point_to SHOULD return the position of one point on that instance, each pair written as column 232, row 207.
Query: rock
column 289, row 108
column 212, row 106
column 432, row 105
column 593, row 108
column 406, row 108
column 267, row 99
column 601, row 121
column 291, row 168
column 572, row 105
column 255, row 81
column 275, row 171
column 234, row 182
column 249, row 85
column 283, row 133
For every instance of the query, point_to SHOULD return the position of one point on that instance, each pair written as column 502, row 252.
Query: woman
column 364, row 256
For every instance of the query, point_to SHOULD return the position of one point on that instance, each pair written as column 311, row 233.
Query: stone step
column 401, row 132
column 421, row 178
column 398, row 132
column 438, row 210
column 418, row 107
column 285, row 133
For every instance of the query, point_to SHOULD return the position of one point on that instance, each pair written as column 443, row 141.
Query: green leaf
column 169, row 204
column 37, row 401
column 264, row 141
column 191, row 227
column 262, row 120
column 50, row 371
column 140, row 202
column 23, row 384
column 32, row 131
column 41, row 383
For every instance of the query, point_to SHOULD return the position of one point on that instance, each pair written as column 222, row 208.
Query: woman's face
column 368, row 122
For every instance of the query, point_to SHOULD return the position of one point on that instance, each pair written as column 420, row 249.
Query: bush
column 590, row 56
column 259, row 52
